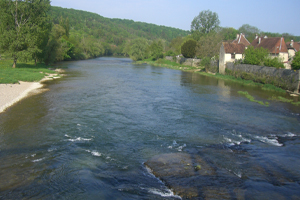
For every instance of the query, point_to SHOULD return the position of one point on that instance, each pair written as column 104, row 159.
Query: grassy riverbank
column 201, row 70
column 27, row 72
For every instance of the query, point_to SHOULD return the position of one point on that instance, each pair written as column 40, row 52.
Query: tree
column 21, row 22
column 156, row 50
column 255, row 56
column 188, row 49
column 296, row 61
column 249, row 31
column 209, row 45
column 204, row 23
column 138, row 49
column 228, row 33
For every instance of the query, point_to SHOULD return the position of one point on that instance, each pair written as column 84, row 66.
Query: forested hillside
column 113, row 30
column 112, row 33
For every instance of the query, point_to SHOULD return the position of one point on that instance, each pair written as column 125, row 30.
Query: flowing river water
column 90, row 134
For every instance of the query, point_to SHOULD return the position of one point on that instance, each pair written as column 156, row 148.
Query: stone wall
column 283, row 78
column 185, row 61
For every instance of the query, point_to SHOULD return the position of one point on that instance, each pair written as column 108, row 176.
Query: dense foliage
column 209, row 45
column 67, row 34
column 255, row 56
column 188, row 49
column 260, row 56
column 24, row 25
column 296, row 61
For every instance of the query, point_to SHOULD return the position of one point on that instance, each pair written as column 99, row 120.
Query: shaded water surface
column 89, row 135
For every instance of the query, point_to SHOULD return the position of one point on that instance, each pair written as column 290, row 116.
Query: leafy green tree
column 175, row 45
column 255, row 56
column 204, row 23
column 156, row 50
column 228, row 33
column 296, row 61
column 188, row 49
column 249, row 31
column 20, row 22
column 209, row 45
column 139, row 49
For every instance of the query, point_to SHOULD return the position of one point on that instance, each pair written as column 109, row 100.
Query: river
column 90, row 134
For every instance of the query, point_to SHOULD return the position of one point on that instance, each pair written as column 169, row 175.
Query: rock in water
column 192, row 177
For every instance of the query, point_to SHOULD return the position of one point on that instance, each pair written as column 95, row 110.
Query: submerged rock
column 192, row 177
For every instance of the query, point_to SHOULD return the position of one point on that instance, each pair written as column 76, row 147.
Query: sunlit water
column 89, row 135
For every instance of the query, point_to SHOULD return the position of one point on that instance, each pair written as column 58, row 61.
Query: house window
column 233, row 56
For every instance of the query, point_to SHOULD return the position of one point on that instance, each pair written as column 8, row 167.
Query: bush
column 273, row 62
column 188, row 49
column 205, row 62
column 296, row 61
column 255, row 56
column 170, row 53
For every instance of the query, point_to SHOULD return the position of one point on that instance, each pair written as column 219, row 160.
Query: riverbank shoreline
column 10, row 94
column 201, row 70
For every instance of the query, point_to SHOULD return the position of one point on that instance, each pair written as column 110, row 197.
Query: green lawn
column 23, row 72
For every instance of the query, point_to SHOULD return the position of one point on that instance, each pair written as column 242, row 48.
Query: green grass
column 167, row 64
column 285, row 100
column 23, row 72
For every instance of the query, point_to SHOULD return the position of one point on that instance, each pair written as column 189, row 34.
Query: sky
column 276, row 16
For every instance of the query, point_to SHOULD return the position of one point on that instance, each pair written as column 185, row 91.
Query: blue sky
column 276, row 16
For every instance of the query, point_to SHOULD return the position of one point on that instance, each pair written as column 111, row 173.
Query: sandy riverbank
column 12, row 93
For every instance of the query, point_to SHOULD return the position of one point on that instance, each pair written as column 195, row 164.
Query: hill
column 112, row 31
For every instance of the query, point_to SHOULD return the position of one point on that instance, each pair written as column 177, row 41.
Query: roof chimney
column 266, row 36
column 259, row 40
column 256, row 36
column 292, row 43
column 237, row 36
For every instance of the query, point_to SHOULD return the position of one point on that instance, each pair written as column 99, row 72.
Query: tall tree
column 249, row 31
column 204, row 23
column 20, row 22
column 139, row 49
column 209, row 45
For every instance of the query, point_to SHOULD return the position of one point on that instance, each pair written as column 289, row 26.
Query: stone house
column 276, row 47
column 292, row 47
column 229, row 52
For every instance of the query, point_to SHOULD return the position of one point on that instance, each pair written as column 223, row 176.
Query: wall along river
column 90, row 134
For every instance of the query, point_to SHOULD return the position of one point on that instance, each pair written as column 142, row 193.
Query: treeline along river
column 90, row 134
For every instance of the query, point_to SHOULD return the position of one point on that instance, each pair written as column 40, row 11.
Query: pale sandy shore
column 12, row 93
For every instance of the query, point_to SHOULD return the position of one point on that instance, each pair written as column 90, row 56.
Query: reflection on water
column 89, row 135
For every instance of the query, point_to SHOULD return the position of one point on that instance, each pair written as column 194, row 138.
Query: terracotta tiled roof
column 234, row 48
column 295, row 46
column 274, row 45
column 241, row 39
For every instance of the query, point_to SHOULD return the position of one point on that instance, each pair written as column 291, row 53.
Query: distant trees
column 249, row 31
column 204, row 23
column 156, row 50
column 22, row 27
column 139, row 49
